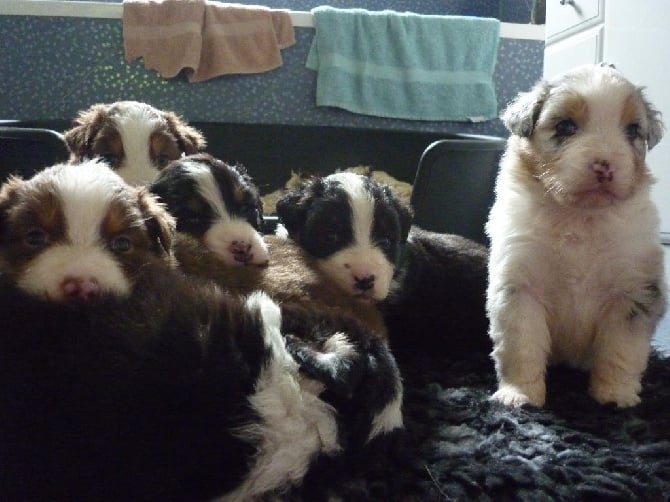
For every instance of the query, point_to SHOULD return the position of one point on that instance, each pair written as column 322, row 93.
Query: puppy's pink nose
column 603, row 170
column 80, row 288
column 241, row 251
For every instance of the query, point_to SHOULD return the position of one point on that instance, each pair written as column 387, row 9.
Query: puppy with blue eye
column 135, row 139
column 217, row 204
column 576, row 266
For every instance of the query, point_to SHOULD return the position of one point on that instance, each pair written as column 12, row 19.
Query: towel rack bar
column 107, row 10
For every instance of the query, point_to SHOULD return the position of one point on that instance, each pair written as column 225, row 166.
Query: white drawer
column 565, row 17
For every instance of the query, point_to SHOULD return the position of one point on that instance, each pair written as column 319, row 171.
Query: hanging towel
column 167, row 34
column 405, row 65
column 242, row 39
column 205, row 38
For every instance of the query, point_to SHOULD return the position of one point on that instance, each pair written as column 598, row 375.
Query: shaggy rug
column 458, row 445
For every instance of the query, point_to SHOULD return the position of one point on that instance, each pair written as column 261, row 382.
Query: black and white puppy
column 135, row 138
column 218, row 204
column 353, row 226
column 121, row 378
column 437, row 300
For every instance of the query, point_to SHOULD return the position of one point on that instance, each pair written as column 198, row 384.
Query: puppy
column 124, row 379
column 353, row 227
column 576, row 266
column 136, row 139
column 439, row 280
column 72, row 236
column 218, row 204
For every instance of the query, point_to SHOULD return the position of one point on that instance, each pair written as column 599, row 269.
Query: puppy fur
column 353, row 227
column 70, row 236
column 218, row 204
column 439, row 304
column 293, row 278
column 136, row 139
column 165, row 387
column 576, row 266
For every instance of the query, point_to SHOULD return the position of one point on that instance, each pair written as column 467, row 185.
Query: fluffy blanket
column 458, row 445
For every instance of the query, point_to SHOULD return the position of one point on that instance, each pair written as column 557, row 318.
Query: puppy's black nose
column 364, row 283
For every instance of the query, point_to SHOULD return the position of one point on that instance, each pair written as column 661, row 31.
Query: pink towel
column 167, row 34
column 232, row 38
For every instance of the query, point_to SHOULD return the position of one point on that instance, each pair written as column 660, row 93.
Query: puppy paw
column 624, row 395
column 513, row 395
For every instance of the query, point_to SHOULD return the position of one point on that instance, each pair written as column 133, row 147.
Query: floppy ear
column 404, row 212
column 293, row 207
column 86, row 126
column 160, row 224
column 655, row 127
column 522, row 113
column 189, row 138
column 8, row 194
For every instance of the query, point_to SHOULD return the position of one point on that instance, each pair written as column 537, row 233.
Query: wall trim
column 107, row 10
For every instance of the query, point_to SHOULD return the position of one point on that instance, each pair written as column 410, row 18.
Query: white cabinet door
column 637, row 41
column 581, row 48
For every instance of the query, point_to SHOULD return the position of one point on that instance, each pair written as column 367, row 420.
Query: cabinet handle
column 572, row 3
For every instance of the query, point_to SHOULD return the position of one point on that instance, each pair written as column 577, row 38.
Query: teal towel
column 405, row 65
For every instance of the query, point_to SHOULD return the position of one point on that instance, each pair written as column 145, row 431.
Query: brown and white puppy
column 576, row 266
column 218, row 204
column 136, row 139
column 68, row 235
column 178, row 390
column 353, row 227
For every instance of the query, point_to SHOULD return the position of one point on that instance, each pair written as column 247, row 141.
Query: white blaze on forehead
column 362, row 205
column 86, row 192
column 135, row 126
column 208, row 188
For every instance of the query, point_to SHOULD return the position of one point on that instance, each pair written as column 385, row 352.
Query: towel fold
column 405, row 65
column 167, row 34
column 242, row 39
column 206, row 38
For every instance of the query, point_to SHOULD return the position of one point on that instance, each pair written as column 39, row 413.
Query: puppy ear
column 86, row 126
column 522, row 113
column 404, row 212
column 655, row 127
column 189, row 138
column 293, row 207
column 160, row 224
column 8, row 195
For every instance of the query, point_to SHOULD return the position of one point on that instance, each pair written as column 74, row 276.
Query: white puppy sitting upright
column 576, row 265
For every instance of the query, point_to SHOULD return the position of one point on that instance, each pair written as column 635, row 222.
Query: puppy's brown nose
column 80, row 288
column 364, row 283
column 603, row 170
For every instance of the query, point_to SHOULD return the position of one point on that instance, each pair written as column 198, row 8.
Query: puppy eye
column 36, row 238
column 162, row 161
column 249, row 211
column 632, row 131
column 565, row 128
column 384, row 243
column 120, row 244
column 110, row 159
column 331, row 238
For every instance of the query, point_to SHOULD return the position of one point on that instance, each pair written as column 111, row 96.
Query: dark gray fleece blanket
column 457, row 445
